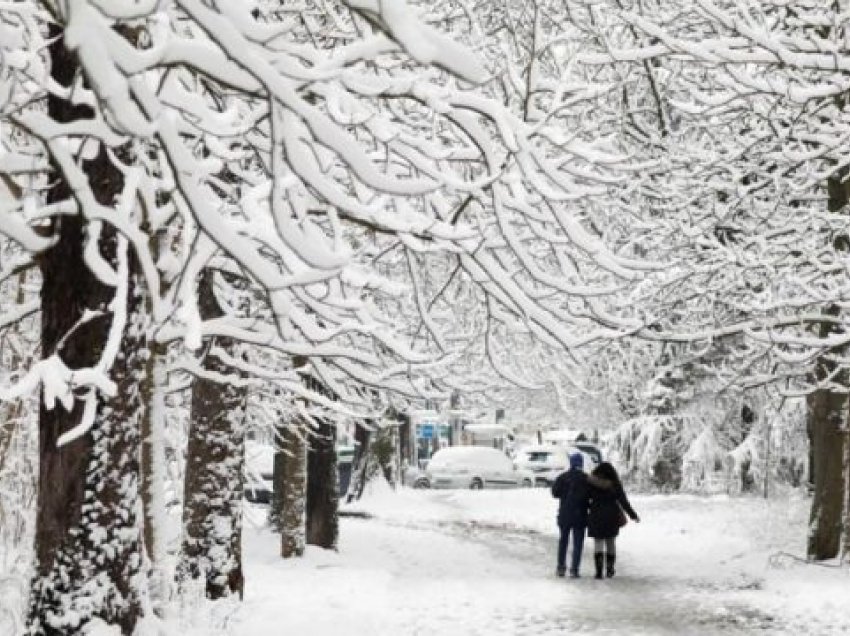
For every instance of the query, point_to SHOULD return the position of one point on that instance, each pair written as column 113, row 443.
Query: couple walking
column 596, row 503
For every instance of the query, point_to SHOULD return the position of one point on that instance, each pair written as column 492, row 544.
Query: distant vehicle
column 259, row 471
column 416, row 478
column 563, row 437
column 567, row 438
column 547, row 461
column 474, row 467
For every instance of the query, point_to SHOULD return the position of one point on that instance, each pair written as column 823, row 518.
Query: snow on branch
column 424, row 43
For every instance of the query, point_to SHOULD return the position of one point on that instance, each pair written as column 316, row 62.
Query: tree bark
column 10, row 412
column 293, row 487
column 278, row 483
column 359, row 470
column 826, row 410
column 826, row 415
column 153, row 473
column 88, row 545
column 845, row 548
column 211, row 551
column 322, row 504
column 404, row 449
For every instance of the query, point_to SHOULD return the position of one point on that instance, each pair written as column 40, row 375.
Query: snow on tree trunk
column 153, row 472
column 211, row 552
column 11, row 411
column 89, row 562
column 322, row 502
column 827, row 413
column 278, row 485
column 294, row 492
column 392, row 468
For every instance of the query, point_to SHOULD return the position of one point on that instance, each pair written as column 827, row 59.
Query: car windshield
column 537, row 456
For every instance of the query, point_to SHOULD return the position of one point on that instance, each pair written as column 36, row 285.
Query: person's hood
column 576, row 461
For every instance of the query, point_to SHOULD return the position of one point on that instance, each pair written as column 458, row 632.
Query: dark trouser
column 578, row 543
column 608, row 545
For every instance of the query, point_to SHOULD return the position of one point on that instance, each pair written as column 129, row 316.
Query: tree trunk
column 10, row 416
column 211, row 550
column 845, row 548
column 278, row 484
column 404, row 445
column 322, row 505
column 392, row 466
column 88, row 545
column 826, row 411
column 293, row 486
column 153, row 473
column 359, row 470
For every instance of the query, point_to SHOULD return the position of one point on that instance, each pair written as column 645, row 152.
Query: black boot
column 610, row 560
column 598, row 558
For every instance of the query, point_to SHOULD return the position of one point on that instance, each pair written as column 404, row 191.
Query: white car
column 475, row 467
column 547, row 461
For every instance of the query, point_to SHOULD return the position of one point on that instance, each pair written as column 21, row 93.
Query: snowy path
column 482, row 563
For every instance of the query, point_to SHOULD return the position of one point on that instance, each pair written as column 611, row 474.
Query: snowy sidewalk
column 469, row 563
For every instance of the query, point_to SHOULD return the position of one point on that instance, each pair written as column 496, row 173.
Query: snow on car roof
column 467, row 450
column 562, row 435
column 543, row 448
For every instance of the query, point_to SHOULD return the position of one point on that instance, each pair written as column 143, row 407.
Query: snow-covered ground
column 463, row 562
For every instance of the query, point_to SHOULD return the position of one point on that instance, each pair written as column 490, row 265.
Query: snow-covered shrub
column 702, row 462
column 648, row 451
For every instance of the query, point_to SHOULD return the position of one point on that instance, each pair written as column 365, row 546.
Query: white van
column 547, row 461
column 475, row 467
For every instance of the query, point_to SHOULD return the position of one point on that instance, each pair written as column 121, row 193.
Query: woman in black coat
column 608, row 503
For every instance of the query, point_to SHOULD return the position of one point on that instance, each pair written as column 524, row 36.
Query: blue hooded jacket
column 572, row 489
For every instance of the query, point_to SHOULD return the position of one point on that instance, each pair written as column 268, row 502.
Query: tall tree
column 211, row 550
column 88, row 544
column 293, row 485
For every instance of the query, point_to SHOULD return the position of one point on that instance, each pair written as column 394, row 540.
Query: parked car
column 415, row 477
column 547, row 461
column 474, row 467
column 573, row 439
column 259, row 471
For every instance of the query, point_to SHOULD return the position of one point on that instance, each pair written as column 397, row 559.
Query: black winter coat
column 572, row 489
column 606, row 500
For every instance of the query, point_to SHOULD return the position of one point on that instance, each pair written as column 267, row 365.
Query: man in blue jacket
column 572, row 489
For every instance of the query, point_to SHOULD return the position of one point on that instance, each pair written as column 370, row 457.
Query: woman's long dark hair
column 607, row 471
